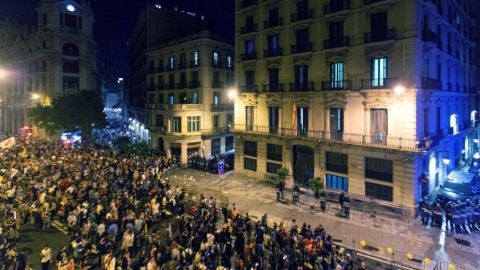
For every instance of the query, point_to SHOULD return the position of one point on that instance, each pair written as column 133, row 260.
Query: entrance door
column 302, row 164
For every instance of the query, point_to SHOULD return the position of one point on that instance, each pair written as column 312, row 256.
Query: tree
column 282, row 174
column 316, row 184
column 83, row 110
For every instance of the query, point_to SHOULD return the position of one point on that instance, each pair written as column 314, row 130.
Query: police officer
column 437, row 216
column 323, row 201
column 424, row 212
column 346, row 206
column 296, row 194
column 449, row 216
column 277, row 190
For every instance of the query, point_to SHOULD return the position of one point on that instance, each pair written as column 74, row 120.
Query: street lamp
column 232, row 94
column 399, row 89
column 35, row 96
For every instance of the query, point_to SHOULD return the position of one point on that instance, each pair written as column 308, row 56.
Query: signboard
column 220, row 166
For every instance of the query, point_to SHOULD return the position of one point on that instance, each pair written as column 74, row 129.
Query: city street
column 379, row 233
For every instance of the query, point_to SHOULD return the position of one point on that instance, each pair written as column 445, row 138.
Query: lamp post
column 3, row 109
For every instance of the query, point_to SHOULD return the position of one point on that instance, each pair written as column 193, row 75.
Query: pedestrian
column 46, row 257
column 346, row 206
column 323, row 201
column 225, row 213
column 341, row 200
column 295, row 194
column 277, row 190
column 282, row 187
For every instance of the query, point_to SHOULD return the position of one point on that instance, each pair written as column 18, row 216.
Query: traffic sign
column 220, row 166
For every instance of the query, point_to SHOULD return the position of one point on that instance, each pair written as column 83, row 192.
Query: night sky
column 114, row 21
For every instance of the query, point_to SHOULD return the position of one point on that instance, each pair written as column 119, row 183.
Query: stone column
column 183, row 153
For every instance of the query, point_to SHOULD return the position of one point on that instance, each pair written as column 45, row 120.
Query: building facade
column 377, row 97
column 54, row 57
column 187, row 107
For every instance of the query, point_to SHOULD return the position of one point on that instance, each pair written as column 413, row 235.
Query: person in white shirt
column 46, row 257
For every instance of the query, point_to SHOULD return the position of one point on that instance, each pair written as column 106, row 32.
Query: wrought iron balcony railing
column 248, row 56
column 373, row 140
column 301, row 15
column 371, row 37
column 336, row 6
column 273, row 87
column 336, row 85
column 302, row 47
column 336, row 42
column 272, row 52
column 248, row 29
column 300, row 87
column 273, row 22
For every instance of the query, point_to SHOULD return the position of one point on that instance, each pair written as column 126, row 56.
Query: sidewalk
column 379, row 233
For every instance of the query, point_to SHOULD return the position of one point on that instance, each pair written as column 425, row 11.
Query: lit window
column 176, row 124
column 216, row 58
column 195, row 58
column 336, row 75
column 171, row 62
column 454, row 123
column 379, row 71
column 229, row 61
column 193, row 123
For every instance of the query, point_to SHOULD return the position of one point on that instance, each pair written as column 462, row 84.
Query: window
column 182, row 60
column 70, row 49
column 336, row 123
column 183, row 78
column 183, row 98
column 249, row 47
column 71, row 20
column 171, row 81
column 229, row 61
column 301, row 77
column 229, row 78
column 379, row 125
column 425, row 67
column 273, row 167
column 44, row 19
column 250, row 148
column 336, row 162
column 379, row 169
column 249, row 116
column 250, row 80
column 171, row 62
column 250, row 164
column 161, row 99
column 273, row 45
column 195, row 58
column 195, row 99
column 273, row 119
column 229, row 119
column 379, row 71
column 70, row 84
column 193, row 123
column 215, row 147
column 336, row 75
column 195, row 76
column 274, row 152
column 215, row 121
column 273, row 17
column 379, row 26
column 228, row 143
column 336, row 33
column 216, row 98
column 70, row 66
column 380, row 192
column 426, row 123
column 439, row 71
column 171, row 99
column 176, row 124
column 216, row 59
column 453, row 124
column 302, row 39
column 159, row 120
column 273, row 80
column 302, row 121
column 336, row 182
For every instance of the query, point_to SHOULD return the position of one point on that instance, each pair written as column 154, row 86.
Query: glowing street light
column 35, row 96
column 232, row 93
column 399, row 89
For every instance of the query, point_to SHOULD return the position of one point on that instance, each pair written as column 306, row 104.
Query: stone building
column 377, row 97
column 55, row 56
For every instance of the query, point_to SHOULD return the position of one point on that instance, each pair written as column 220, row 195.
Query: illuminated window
column 454, row 123
column 195, row 58
column 229, row 61
column 216, row 58
column 336, row 75
column 193, row 123
column 176, row 125
column 379, row 71
column 171, row 62
column 473, row 118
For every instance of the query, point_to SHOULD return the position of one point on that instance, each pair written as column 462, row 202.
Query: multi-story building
column 187, row 106
column 38, row 62
column 377, row 97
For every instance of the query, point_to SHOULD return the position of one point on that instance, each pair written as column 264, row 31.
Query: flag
column 294, row 117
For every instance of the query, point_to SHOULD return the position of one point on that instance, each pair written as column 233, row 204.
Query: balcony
column 171, row 85
column 336, row 6
column 247, row 3
column 169, row 68
column 429, row 36
column 215, row 132
column 160, row 69
column 377, row 83
column 217, row 84
column 302, row 15
column 248, row 56
column 301, row 87
column 194, row 64
column 248, row 29
column 273, row 23
column 185, row 107
column 248, row 88
column 217, row 64
column 221, row 107
column 181, row 85
column 336, row 43
column 194, row 84
column 371, row 37
column 272, row 52
column 273, row 87
column 301, row 47
column 430, row 83
column 368, row 2
column 336, row 85
column 383, row 141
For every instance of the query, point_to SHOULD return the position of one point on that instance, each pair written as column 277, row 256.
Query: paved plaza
column 407, row 236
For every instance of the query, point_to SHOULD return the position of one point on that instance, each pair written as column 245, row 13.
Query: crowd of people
column 116, row 205
column 457, row 216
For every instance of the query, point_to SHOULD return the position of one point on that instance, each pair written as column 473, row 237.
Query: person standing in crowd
column 277, row 190
column 341, row 200
column 346, row 206
column 46, row 257
column 296, row 194
column 282, row 188
column 323, row 200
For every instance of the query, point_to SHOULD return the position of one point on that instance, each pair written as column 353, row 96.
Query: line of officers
column 458, row 214
column 343, row 198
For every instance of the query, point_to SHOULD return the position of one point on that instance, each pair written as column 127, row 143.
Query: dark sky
column 114, row 21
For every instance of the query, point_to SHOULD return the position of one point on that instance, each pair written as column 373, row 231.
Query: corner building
column 188, row 110
column 56, row 56
column 377, row 97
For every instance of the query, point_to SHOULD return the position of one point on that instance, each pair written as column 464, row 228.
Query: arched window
column 70, row 49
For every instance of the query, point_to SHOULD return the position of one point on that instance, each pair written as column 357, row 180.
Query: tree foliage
column 83, row 111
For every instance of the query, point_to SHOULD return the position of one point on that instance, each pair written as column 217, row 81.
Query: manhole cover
column 463, row 242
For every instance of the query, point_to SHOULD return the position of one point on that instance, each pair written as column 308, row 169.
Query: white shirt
column 46, row 255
